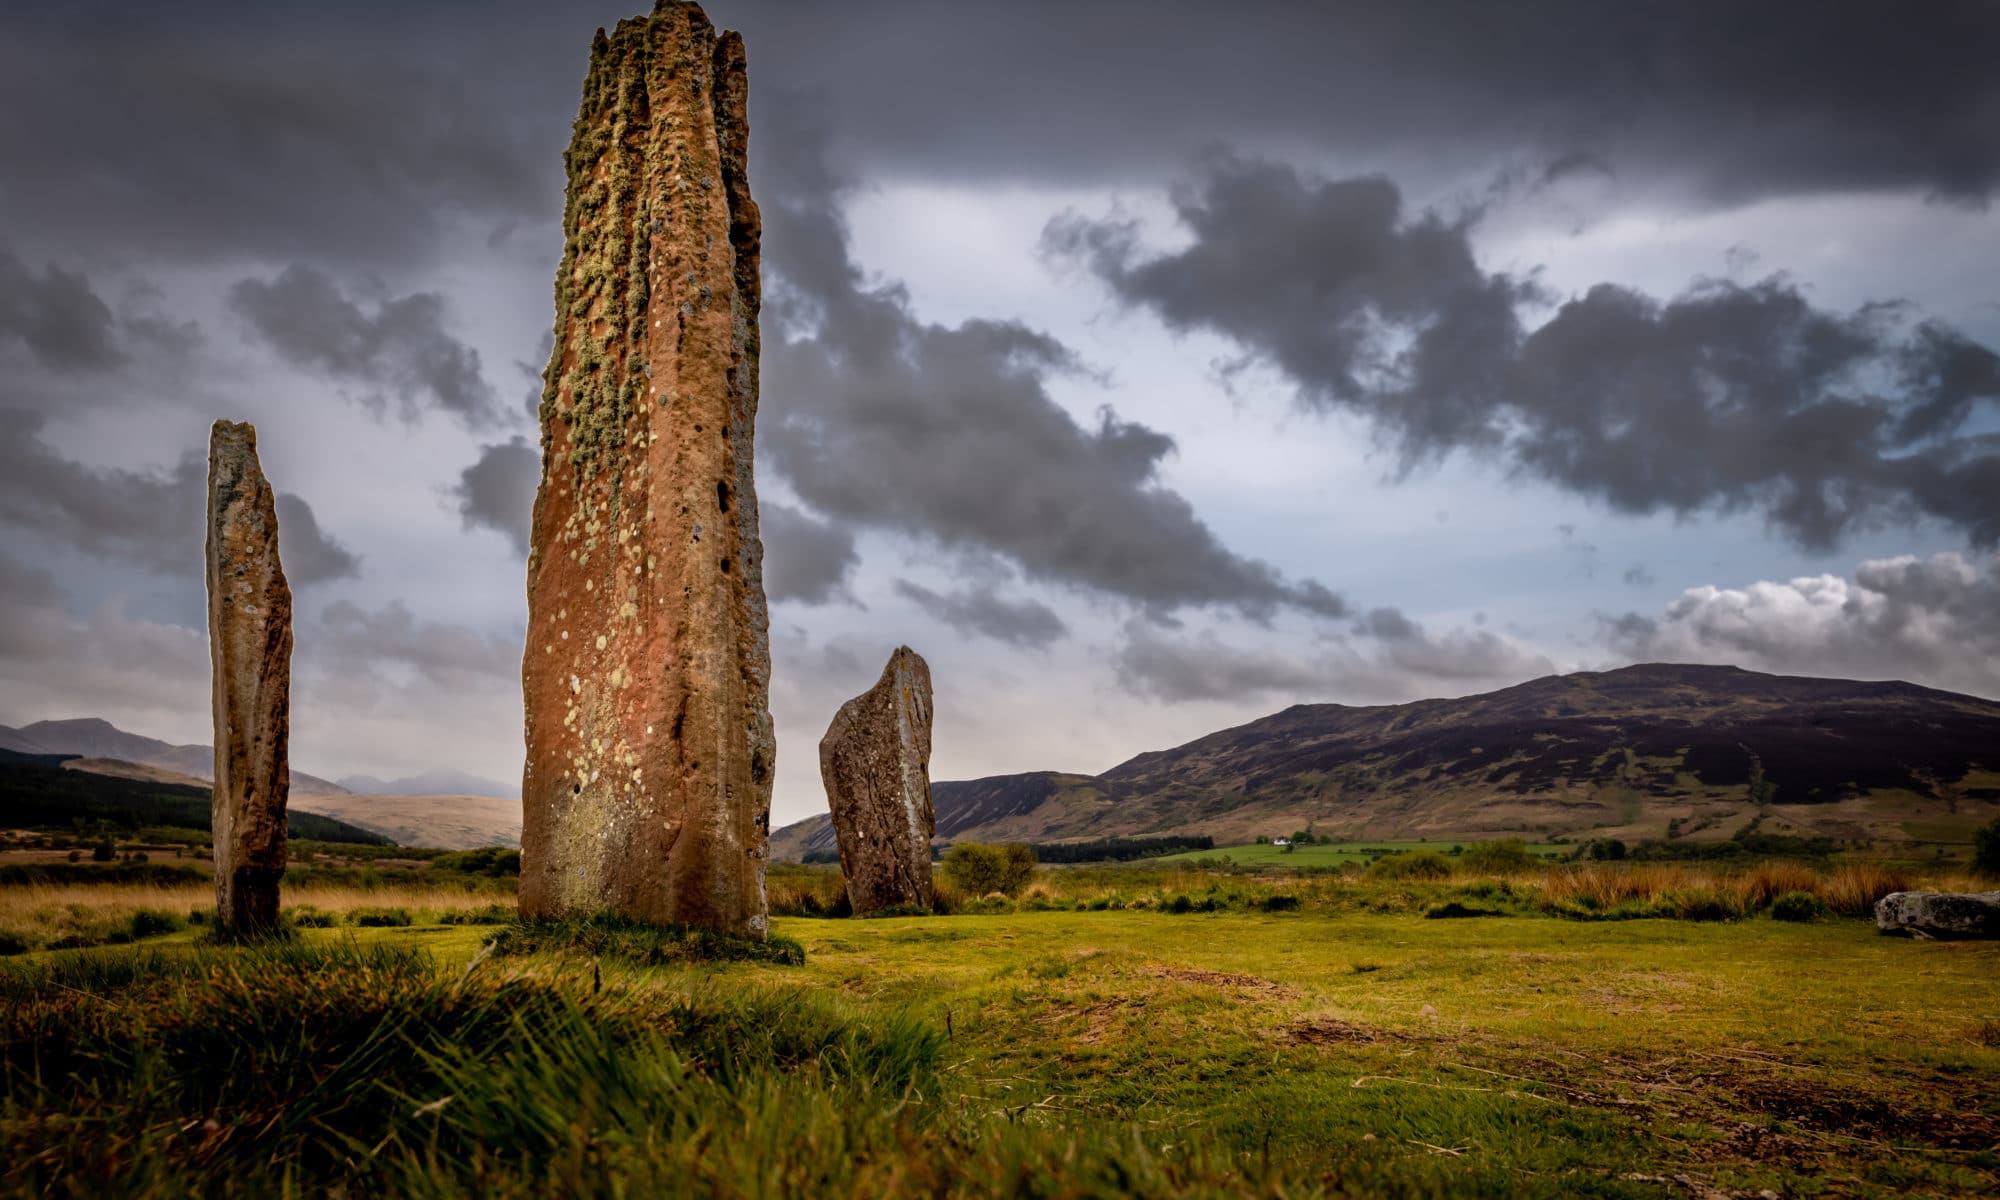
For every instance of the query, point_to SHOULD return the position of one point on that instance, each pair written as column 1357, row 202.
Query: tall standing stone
column 250, row 658
column 647, row 789
column 875, row 761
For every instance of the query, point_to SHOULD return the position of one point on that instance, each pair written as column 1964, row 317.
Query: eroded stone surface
column 875, row 761
column 1939, row 914
column 647, row 789
column 250, row 655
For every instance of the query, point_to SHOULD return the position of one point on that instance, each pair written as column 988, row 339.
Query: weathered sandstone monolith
column 647, row 789
column 875, row 761
column 250, row 658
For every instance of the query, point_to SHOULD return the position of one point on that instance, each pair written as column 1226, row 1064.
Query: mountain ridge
column 1652, row 750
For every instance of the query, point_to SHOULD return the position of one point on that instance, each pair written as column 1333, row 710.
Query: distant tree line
column 1118, row 849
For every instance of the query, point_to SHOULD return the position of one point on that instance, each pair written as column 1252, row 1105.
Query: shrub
column 1986, row 849
column 380, row 917
column 1503, row 857
column 1179, row 904
column 12, row 943
column 1279, row 903
column 306, row 916
column 1423, row 864
column 1453, row 908
column 494, row 861
column 104, row 851
column 151, row 922
column 1796, row 906
column 491, row 914
column 978, row 870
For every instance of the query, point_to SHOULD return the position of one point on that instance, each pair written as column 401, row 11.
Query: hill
column 1657, row 750
column 447, row 822
column 42, row 795
column 432, row 783
column 92, row 738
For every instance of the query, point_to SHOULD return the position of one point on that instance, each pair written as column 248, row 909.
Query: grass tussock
column 366, row 1069
column 604, row 936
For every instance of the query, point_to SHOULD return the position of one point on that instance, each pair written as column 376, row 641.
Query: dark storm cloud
column 498, row 491
column 364, row 131
column 979, row 612
column 57, row 315
column 805, row 560
column 248, row 129
column 876, row 417
column 149, row 519
column 1733, row 99
column 397, row 344
column 1727, row 397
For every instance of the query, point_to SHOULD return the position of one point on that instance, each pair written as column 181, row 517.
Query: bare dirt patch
column 1333, row 1031
column 1223, row 979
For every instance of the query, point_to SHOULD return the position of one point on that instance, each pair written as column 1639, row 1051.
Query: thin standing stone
column 250, row 656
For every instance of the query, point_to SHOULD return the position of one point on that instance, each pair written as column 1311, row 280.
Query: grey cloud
column 878, row 418
column 1728, row 397
column 401, row 346
column 498, row 491
column 58, row 316
column 148, row 519
column 451, row 656
column 310, row 556
column 1638, row 576
column 1394, row 659
column 979, row 612
column 1934, row 621
column 805, row 560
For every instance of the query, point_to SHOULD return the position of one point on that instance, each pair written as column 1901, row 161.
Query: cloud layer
column 1727, row 397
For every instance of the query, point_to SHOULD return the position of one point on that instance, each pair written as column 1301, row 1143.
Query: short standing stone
column 875, row 761
column 1939, row 914
column 650, row 751
column 250, row 655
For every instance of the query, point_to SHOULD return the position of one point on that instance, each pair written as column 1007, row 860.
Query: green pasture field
column 1069, row 1054
column 1337, row 855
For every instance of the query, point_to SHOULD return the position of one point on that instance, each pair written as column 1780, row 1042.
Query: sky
column 1147, row 366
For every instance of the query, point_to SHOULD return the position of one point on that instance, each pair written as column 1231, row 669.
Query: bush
column 380, row 918
column 492, row 914
column 104, row 851
column 978, row 870
column 1423, row 864
column 151, row 922
column 1271, row 904
column 1796, row 906
column 1452, row 908
column 1503, row 857
column 1986, row 850
column 496, row 862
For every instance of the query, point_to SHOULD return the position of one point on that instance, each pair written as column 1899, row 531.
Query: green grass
column 1339, row 855
column 1295, row 1053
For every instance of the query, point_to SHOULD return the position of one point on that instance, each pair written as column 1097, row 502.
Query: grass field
column 1335, row 1050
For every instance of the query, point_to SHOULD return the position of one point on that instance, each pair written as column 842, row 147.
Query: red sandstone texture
column 875, row 761
column 250, row 655
column 650, row 751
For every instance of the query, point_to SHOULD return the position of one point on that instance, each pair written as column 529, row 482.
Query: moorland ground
column 1140, row 1030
